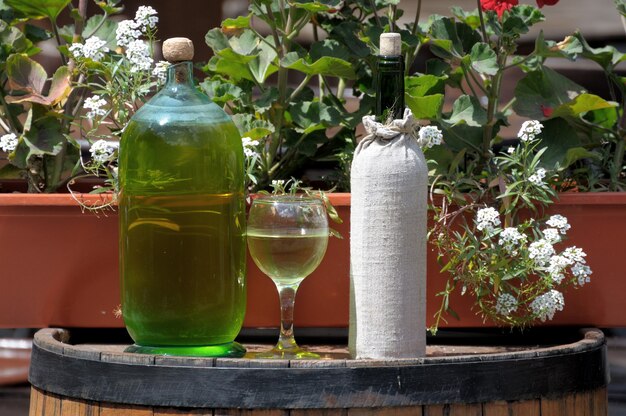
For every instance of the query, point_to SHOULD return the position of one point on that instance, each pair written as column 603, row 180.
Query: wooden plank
column 387, row 411
column 51, row 405
column 521, row 408
column 559, row 406
column 112, row 409
column 36, row 402
column 75, row 407
column 453, row 410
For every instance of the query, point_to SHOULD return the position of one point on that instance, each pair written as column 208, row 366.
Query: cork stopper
column 390, row 44
column 178, row 50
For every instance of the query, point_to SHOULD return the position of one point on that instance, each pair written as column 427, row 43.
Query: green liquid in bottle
column 182, row 226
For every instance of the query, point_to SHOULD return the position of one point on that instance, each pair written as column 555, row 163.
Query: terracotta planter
column 60, row 268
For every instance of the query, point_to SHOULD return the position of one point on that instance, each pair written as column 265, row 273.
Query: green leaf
column 607, row 57
column 582, row 104
column 539, row 92
column 245, row 44
column 240, row 22
column 216, row 40
column 38, row 9
column 467, row 110
column 329, row 47
column 251, row 127
column 326, row 65
column 345, row 32
column 109, row 7
column 221, row 92
column 233, row 70
column 25, row 74
column 569, row 48
column 105, row 32
column 36, row 34
column 558, row 137
column 484, row 59
column 313, row 115
column 575, row 154
column 452, row 38
column 312, row 6
column 12, row 40
column 428, row 107
column 264, row 64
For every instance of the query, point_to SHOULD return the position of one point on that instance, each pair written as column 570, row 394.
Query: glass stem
column 287, row 295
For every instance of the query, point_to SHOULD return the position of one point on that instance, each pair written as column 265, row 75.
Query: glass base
column 228, row 350
column 295, row 353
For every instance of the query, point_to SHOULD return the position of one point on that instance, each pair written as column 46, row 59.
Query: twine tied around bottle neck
column 390, row 130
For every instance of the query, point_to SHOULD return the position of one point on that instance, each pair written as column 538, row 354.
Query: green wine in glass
column 287, row 238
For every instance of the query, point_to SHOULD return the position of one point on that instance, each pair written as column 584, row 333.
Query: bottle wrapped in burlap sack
column 389, row 183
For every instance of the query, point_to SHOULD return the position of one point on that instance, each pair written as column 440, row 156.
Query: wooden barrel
column 76, row 378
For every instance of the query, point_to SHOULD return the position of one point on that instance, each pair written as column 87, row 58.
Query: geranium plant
column 106, row 71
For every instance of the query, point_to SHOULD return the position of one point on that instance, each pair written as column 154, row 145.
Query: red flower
column 546, row 110
column 542, row 3
column 499, row 6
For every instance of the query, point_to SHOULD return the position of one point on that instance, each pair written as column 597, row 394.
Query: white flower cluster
column 506, row 304
column 544, row 306
column 278, row 182
column 552, row 235
column 487, row 219
column 429, row 136
column 94, row 48
column 511, row 239
column 8, row 142
column 137, row 51
column 249, row 147
column 101, row 151
column 146, row 18
column 559, row 222
column 537, row 177
column 160, row 71
column 540, row 251
column 529, row 130
column 130, row 30
column 94, row 105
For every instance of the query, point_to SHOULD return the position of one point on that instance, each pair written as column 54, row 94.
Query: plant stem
column 376, row 17
column 492, row 108
column 57, row 36
column 618, row 159
column 300, row 87
column 483, row 28
column 79, row 24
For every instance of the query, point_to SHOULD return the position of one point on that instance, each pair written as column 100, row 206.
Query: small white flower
column 8, row 142
column 556, row 268
column 511, row 240
column 94, row 48
column 581, row 272
column 529, row 131
column 429, row 136
column 76, row 49
column 146, row 17
column 537, row 177
column 127, row 32
column 559, row 222
column 575, row 254
column 278, row 182
column 95, row 104
column 510, row 150
column 541, row 251
column 160, row 71
column 249, row 147
column 101, row 151
column 544, row 306
column 138, row 53
column 506, row 304
column 487, row 219
column 552, row 235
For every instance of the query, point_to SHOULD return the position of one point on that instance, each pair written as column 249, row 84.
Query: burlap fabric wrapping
column 389, row 183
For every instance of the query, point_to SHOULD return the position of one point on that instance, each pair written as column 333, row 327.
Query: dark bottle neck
column 389, row 88
column 179, row 74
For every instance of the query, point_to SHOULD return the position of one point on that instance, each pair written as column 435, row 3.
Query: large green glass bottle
column 182, row 224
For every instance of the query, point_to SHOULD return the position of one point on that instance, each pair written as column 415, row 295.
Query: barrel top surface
column 448, row 373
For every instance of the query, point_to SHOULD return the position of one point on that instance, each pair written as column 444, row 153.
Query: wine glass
column 287, row 238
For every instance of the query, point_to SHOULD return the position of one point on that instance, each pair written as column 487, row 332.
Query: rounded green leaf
column 38, row 9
